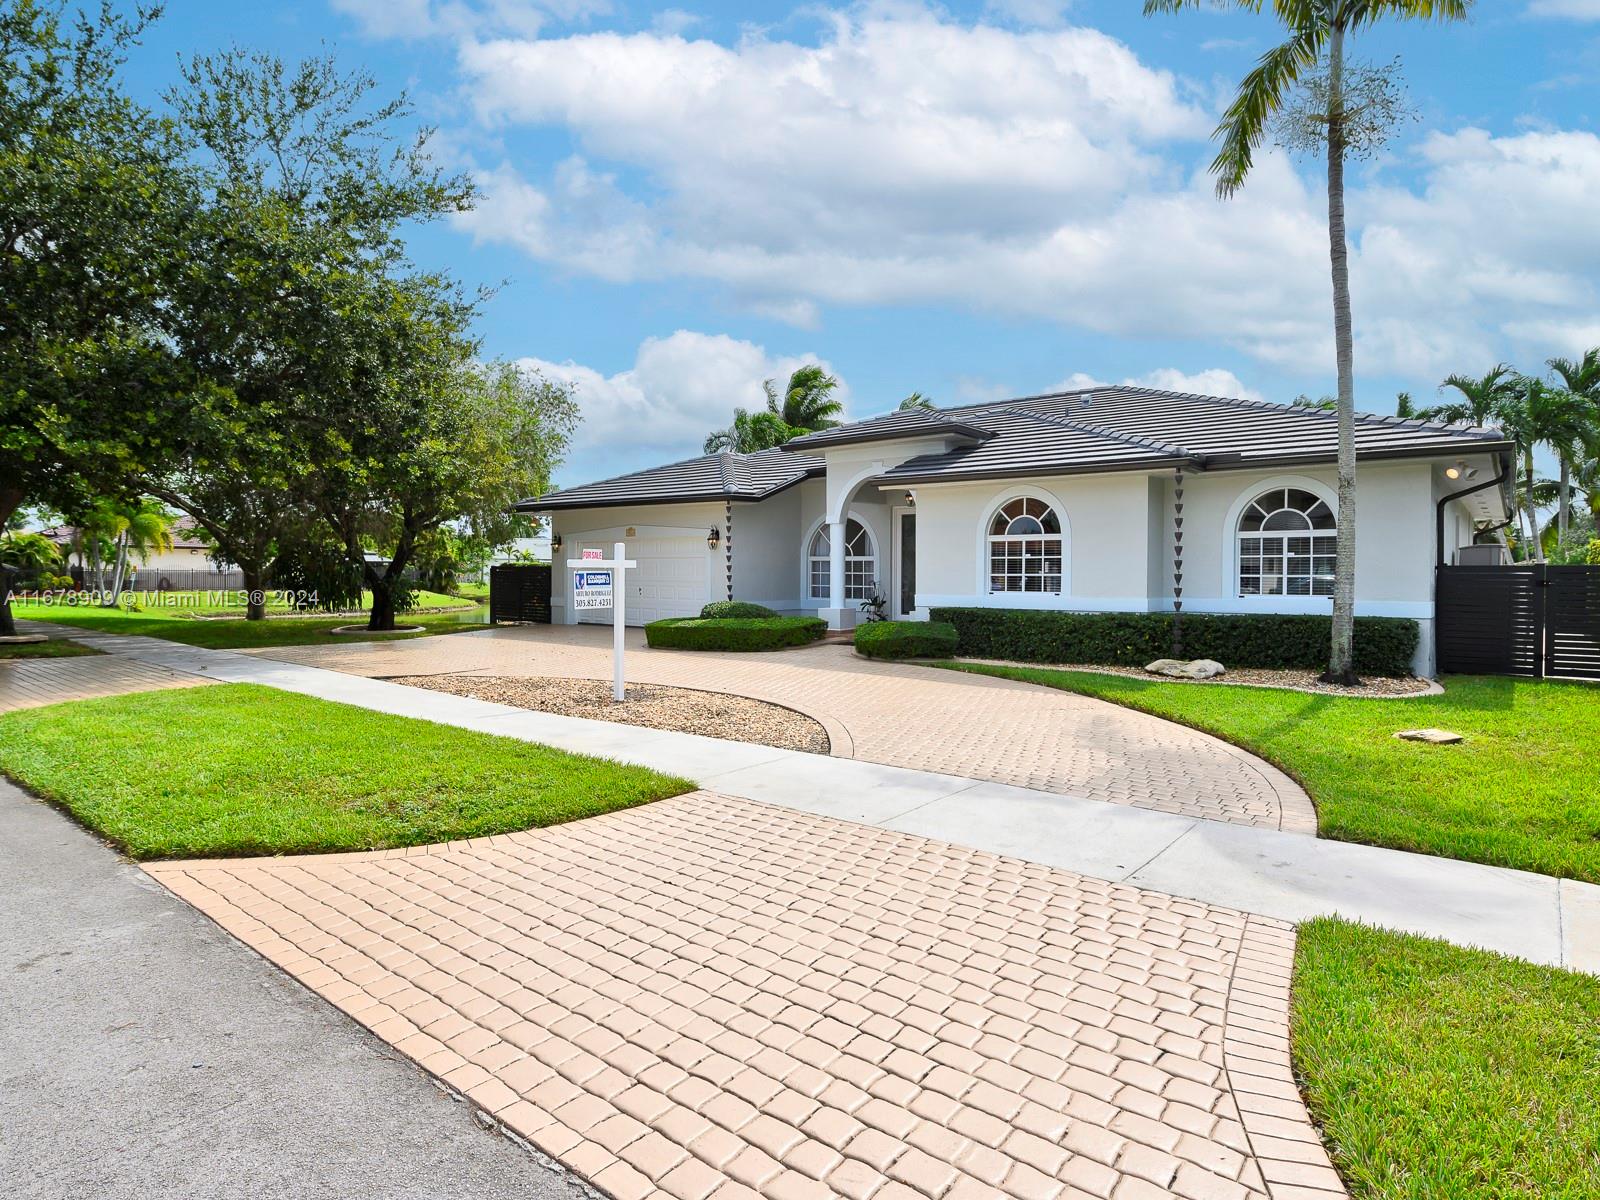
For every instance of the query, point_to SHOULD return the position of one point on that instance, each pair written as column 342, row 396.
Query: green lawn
column 1439, row 1073
column 55, row 648
column 180, row 625
column 239, row 770
column 1520, row 792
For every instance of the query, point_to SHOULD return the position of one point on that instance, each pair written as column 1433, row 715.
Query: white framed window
column 1025, row 547
column 1288, row 538
column 860, row 562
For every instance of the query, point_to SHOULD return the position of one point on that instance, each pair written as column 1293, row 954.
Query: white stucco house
column 1063, row 501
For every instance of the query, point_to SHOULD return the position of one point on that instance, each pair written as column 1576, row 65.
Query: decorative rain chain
column 1177, row 564
column 727, row 543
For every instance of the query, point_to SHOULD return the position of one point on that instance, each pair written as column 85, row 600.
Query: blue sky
column 970, row 201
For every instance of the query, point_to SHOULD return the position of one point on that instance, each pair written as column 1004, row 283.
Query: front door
column 904, row 600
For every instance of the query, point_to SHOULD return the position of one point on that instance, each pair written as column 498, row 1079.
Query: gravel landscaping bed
column 1374, row 687
column 682, row 710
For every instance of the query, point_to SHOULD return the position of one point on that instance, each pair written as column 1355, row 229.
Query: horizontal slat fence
column 520, row 592
column 1529, row 619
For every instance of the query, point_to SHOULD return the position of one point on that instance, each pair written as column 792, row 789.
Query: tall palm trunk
column 119, row 567
column 1564, row 512
column 1535, row 542
column 1341, row 659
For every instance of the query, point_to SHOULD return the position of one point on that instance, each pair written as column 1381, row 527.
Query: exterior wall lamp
column 555, row 542
column 714, row 538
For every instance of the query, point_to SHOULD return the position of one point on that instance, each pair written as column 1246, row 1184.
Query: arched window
column 860, row 562
column 1287, row 542
column 1025, row 547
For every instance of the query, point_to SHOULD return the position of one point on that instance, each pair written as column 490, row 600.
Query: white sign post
column 602, row 583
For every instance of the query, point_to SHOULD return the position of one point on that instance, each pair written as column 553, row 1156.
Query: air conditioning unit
column 1490, row 555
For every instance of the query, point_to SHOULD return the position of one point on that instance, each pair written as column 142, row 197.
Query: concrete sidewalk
column 1287, row 876
column 148, row 1053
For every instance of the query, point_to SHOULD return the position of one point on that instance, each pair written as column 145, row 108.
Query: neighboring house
column 190, row 554
column 1064, row 501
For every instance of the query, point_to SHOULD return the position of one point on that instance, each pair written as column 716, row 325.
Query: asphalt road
column 145, row 1053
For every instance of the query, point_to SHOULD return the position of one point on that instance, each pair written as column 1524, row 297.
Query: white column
column 836, row 601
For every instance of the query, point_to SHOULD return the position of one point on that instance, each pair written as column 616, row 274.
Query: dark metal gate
column 520, row 592
column 1530, row 619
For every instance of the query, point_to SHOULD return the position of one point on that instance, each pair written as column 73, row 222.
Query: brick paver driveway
column 907, row 716
column 708, row 997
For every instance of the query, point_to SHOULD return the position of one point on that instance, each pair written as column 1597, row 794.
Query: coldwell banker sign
column 591, row 589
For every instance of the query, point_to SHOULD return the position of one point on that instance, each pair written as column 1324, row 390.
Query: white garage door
column 673, row 578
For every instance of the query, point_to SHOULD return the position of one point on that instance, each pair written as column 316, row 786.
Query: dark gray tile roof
column 1115, row 428
column 912, row 422
column 709, row 477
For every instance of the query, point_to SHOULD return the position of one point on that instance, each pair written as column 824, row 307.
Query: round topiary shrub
column 719, row 609
column 906, row 639
column 733, row 633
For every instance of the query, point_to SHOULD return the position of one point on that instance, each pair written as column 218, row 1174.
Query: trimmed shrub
column 1384, row 645
column 906, row 639
column 719, row 609
column 733, row 633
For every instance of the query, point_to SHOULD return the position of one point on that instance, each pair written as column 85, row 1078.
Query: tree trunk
column 1564, row 513
column 255, row 597
column 1535, row 542
column 119, row 566
column 10, row 500
column 1341, row 658
column 382, row 616
column 386, row 587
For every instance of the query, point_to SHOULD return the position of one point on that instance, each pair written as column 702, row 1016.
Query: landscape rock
column 1198, row 668
column 1434, row 737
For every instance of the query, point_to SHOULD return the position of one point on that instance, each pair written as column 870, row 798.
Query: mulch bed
column 681, row 710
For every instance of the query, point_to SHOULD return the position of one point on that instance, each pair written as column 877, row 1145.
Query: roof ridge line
column 1113, row 435
column 1329, row 413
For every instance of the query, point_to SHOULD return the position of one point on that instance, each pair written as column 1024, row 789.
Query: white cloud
column 1214, row 381
column 679, row 389
column 1574, row 10
column 906, row 159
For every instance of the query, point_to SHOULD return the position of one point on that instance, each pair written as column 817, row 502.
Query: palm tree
column 1581, row 380
column 1480, row 401
column 914, row 401
column 750, row 432
column 121, row 528
column 1317, row 31
column 1540, row 415
column 807, row 403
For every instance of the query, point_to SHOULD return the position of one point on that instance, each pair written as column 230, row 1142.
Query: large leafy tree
column 441, row 441
column 1305, row 75
column 308, row 180
column 95, row 201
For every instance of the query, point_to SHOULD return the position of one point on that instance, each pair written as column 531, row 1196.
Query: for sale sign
column 591, row 589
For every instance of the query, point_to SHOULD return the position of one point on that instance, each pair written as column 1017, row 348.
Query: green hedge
column 906, row 639
column 735, row 608
column 1384, row 645
column 733, row 633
